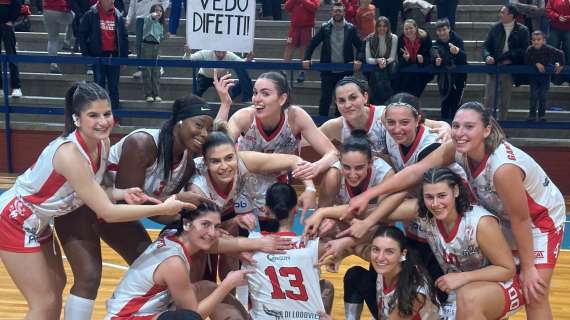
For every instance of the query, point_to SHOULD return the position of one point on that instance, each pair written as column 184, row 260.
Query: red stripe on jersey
column 476, row 171
column 48, row 189
column 448, row 237
column 410, row 152
column 149, row 317
column 363, row 185
column 186, row 253
column 371, row 112
column 94, row 164
column 135, row 304
column 113, row 167
column 275, row 132
column 220, row 192
column 539, row 215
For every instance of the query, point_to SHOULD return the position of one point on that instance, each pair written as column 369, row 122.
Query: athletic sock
column 77, row 308
column 352, row 311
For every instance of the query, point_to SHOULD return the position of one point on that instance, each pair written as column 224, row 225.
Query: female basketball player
column 65, row 176
column 157, row 161
column 160, row 276
column 398, row 289
column 469, row 246
column 508, row 183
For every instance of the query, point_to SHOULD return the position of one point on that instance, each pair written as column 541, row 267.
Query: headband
column 196, row 109
column 403, row 104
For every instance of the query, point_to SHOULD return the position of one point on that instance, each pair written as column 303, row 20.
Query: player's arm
column 239, row 122
column 138, row 153
column 330, row 187
column 268, row 244
column 417, row 305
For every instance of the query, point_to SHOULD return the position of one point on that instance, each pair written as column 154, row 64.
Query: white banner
column 224, row 25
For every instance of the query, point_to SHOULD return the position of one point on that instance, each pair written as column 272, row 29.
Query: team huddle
column 455, row 221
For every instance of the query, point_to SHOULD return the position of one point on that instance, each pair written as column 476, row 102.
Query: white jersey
column 282, row 140
column 374, row 129
column 374, row 176
column 286, row 286
column 40, row 193
column 225, row 201
column 137, row 294
column 545, row 202
column 154, row 183
column 400, row 160
column 385, row 297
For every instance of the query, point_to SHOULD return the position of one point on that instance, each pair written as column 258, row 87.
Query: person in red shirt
column 558, row 13
column 300, row 28
column 350, row 12
column 365, row 19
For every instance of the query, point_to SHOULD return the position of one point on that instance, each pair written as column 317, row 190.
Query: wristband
column 310, row 189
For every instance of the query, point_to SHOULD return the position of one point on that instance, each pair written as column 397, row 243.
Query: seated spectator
column 381, row 50
column 205, row 78
column 57, row 18
column 558, row 13
column 10, row 10
column 449, row 52
column 541, row 56
column 447, row 9
column 413, row 49
column 505, row 45
column 341, row 44
column 365, row 20
column 300, row 28
column 531, row 13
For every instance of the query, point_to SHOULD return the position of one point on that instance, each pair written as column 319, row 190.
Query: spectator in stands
column 79, row 7
column 449, row 52
column 102, row 33
column 152, row 36
column 506, row 44
column 272, row 8
column 350, row 7
column 138, row 10
column 39, row 6
column 57, row 18
column 447, row 9
column 205, row 77
column 381, row 50
column 414, row 46
column 541, row 56
column 390, row 9
column 558, row 12
column 300, row 28
column 365, row 20
column 175, row 12
column 531, row 12
column 340, row 44
column 9, row 12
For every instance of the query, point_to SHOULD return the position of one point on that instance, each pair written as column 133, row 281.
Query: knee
column 467, row 302
column 86, row 281
column 48, row 307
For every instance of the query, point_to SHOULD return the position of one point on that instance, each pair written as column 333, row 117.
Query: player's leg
column 359, row 287
column 327, row 294
column 128, row 239
column 229, row 309
column 488, row 300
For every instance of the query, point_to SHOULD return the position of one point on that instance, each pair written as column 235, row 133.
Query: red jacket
column 302, row 12
column 555, row 9
column 56, row 5
column 351, row 7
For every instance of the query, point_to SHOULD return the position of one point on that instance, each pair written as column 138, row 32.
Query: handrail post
column 7, row 128
column 496, row 96
column 194, row 83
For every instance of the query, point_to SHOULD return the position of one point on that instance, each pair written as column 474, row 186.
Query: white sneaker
column 16, row 93
column 157, row 99
column 89, row 72
column 161, row 71
column 149, row 99
column 137, row 75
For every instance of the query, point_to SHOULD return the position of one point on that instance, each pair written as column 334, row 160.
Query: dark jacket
column 351, row 40
column 547, row 55
column 425, row 46
column 9, row 10
column 442, row 49
column 495, row 42
column 90, row 34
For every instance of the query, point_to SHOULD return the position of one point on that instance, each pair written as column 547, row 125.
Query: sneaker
column 149, row 99
column 16, row 93
column 137, row 75
column 157, row 99
column 161, row 71
column 301, row 77
column 89, row 72
column 54, row 68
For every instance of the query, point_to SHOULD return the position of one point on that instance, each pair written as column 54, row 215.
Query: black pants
column 107, row 77
column 272, row 8
column 447, row 9
column 450, row 102
column 360, row 286
column 328, row 82
column 9, row 42
column 539, row 85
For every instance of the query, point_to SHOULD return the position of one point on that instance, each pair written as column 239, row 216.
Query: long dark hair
column 357, row 141
column 78, row 98
column 281, row 198
column 280, row 81
column 191, row 215
column 444, row 174
column 497, row 135
column 153, row 7
column 166, row 135
column 412, row 275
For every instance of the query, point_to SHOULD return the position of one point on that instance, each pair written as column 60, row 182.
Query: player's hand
column 137, row 196
column 335, row 251
column 223, row 85
column 246, row 221
column 358, row 204
column 305, row 170
column 358, row 228
column 193, row 197
column 307, row 200
column 172, row 206
column 274, row 244
column 312, row 224
column 533, row 286
column 443, row 132
column 327, row 226
column 247, row 258
column 450, row 282
column 236, row 278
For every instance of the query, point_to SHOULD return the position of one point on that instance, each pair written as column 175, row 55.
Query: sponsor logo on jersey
column 287, row 314
column 538, row 254
column 546, row 182
column 278, row 257
column 470, row 251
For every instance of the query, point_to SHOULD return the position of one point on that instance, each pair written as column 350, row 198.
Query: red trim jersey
column 545, row 202
column 374, row 176
column 286, row 286
column 374, row 127
column 154, row 183
column 282, row 140
column 40, row 193
column 137, row 294
column 400, row 160
column 385, row 297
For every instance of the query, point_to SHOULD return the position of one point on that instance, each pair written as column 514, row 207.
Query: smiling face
column 354, row 167
column 350, row 101
column 204, row 231
column 192, row 132
column 96, row 120
column 385, row 256
column 267, row 99
column 410, row 30
column 382, row 28
column 439, row 199
column 222, row 164
column 401, row 123
column 443, row 33
column 337, row 13
column 468, row 132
